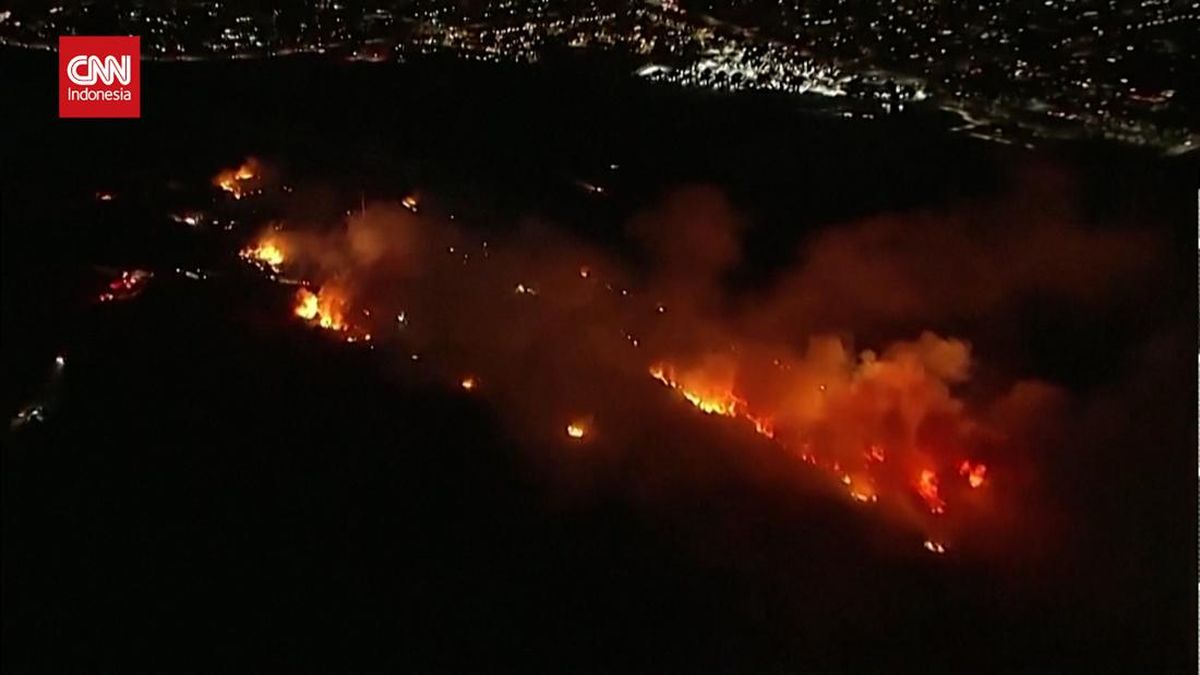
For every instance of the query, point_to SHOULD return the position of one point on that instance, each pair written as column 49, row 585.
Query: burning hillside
column 555, row 326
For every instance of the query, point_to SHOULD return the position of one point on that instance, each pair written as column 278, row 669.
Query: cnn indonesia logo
column 99, row 76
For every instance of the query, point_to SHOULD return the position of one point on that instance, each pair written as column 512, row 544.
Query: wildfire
column 711, row 389
column 325, row 308
column 763, row 425
column 234, row 181
column 266, row 253
column 713, row 399
column 854, row 417
column 975, row 473
column 927, row 487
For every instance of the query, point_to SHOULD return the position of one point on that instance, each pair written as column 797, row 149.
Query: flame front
column 714, row 398
column 711, row 388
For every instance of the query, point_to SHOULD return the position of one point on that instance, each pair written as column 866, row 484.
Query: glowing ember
column 927, row 487
column 234, row 181
column 410, row 202
column 193, row 219
column 325, row 308
column 468, row 383
column 577, row 429
column 863, row 496
column 934, row 547
column 129, row 285
column 975, row 473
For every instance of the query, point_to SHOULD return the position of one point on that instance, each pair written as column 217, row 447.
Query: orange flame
column 927, row 487
column 975, row 473
column 266, row 252
column 234, row 181
column 325, row 308
column 577, row 429
column 712, row 398
column 763, row 425
column 864, row 495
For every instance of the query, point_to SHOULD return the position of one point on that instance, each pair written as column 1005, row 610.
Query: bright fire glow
column 864, row 496
column 468, row 382
column 325, row 308
column 927, row 487
column 234, row 181
column 975, row 473
column 934, row 547
column 762, row 425
column 714, row 396
column 710, row 397
column 577, row 429
column 265, row 252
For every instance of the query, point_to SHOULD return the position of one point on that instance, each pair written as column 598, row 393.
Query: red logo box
column 99, row 76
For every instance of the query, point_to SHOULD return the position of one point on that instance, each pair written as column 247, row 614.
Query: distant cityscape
column 1013, row 72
